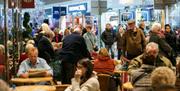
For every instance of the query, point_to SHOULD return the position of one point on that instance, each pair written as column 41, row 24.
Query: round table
column 36, row 88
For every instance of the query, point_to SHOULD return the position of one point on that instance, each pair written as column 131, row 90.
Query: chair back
column 107, row 83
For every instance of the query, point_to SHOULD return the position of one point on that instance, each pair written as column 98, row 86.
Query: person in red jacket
column 104, row 63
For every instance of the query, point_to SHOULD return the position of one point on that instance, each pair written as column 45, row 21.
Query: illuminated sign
column 78, row 8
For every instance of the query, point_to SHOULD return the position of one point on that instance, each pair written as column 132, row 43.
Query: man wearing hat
column 133, row 41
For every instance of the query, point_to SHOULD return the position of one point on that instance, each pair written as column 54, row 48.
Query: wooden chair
column 178, row 83
column 61, row 87
column 107, row 83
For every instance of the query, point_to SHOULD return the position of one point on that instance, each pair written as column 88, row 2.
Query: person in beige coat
column 84, row 78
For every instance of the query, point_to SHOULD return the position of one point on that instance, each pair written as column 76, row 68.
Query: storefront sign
column 78, row 8
column 63, row 11
column 56, row 12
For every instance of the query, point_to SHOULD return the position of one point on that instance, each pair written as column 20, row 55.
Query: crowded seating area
column 87, row 55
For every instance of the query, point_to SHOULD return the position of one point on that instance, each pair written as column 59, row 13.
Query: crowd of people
column 150, row 59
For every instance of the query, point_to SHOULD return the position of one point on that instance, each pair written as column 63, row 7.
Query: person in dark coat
column 156, row 36
column 169, row 37
column 133, row 41
column 119, row 40
column 73, row 49
column 45, row 47
column 109, row 37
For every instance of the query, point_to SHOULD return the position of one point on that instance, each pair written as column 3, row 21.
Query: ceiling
column 160, row 4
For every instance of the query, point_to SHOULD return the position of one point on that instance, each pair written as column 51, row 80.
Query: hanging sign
column 22, row 4
column 56, row 12
column 27, row 4
column 78, row 8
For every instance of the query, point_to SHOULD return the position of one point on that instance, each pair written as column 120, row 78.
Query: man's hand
column 25, row 75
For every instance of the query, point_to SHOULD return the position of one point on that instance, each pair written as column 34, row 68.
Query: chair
column 61, row 87
column 107, row 83
column 178, row 83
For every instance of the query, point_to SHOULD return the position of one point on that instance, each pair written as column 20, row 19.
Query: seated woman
column 84, row 78
column 104, row 64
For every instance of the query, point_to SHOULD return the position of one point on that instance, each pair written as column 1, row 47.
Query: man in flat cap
column 133, row 41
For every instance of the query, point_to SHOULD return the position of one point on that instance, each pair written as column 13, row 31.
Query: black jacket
column 45, row 49
column 73, row 49
column 108, row 37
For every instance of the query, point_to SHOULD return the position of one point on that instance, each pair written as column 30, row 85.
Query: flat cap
column 131, row 21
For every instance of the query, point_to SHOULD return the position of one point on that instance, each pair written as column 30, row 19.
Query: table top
column 31, row 80
column 120, row 71
column 36, row 88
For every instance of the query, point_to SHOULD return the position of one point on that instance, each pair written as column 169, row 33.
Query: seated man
column 151, row 54
column 35, row 63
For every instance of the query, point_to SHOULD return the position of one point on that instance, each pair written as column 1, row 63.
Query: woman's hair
column 104, row 52
column 4, row 86
column 163, row 76
column 167, row 25
column 85, row 62
column 66, row 32
column 2, row 49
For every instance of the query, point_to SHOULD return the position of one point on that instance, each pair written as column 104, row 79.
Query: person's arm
column 124, row 44
column 91, row 84
column 49, row 71
column 134, row 64
column 103, row 37
column 143, row 42
column 22, row 72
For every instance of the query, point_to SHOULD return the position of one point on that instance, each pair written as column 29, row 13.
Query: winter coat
column 169, row 37
column 164, row 47
column 45, row 49
column 119, row 40
column 134, row 42
column 90, row 39
column 104, row 64
column 73, row 49
column 137, row 62
column 108, row 37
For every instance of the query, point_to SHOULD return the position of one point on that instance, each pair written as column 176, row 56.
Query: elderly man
column 158, row 37
column 34, row 62
column 133, row 41
column 151, row 54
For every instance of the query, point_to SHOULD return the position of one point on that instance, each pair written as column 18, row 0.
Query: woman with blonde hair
column 104, row 63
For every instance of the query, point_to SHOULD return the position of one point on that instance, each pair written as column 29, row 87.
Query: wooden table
column 36, row 88
column 32, row 80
